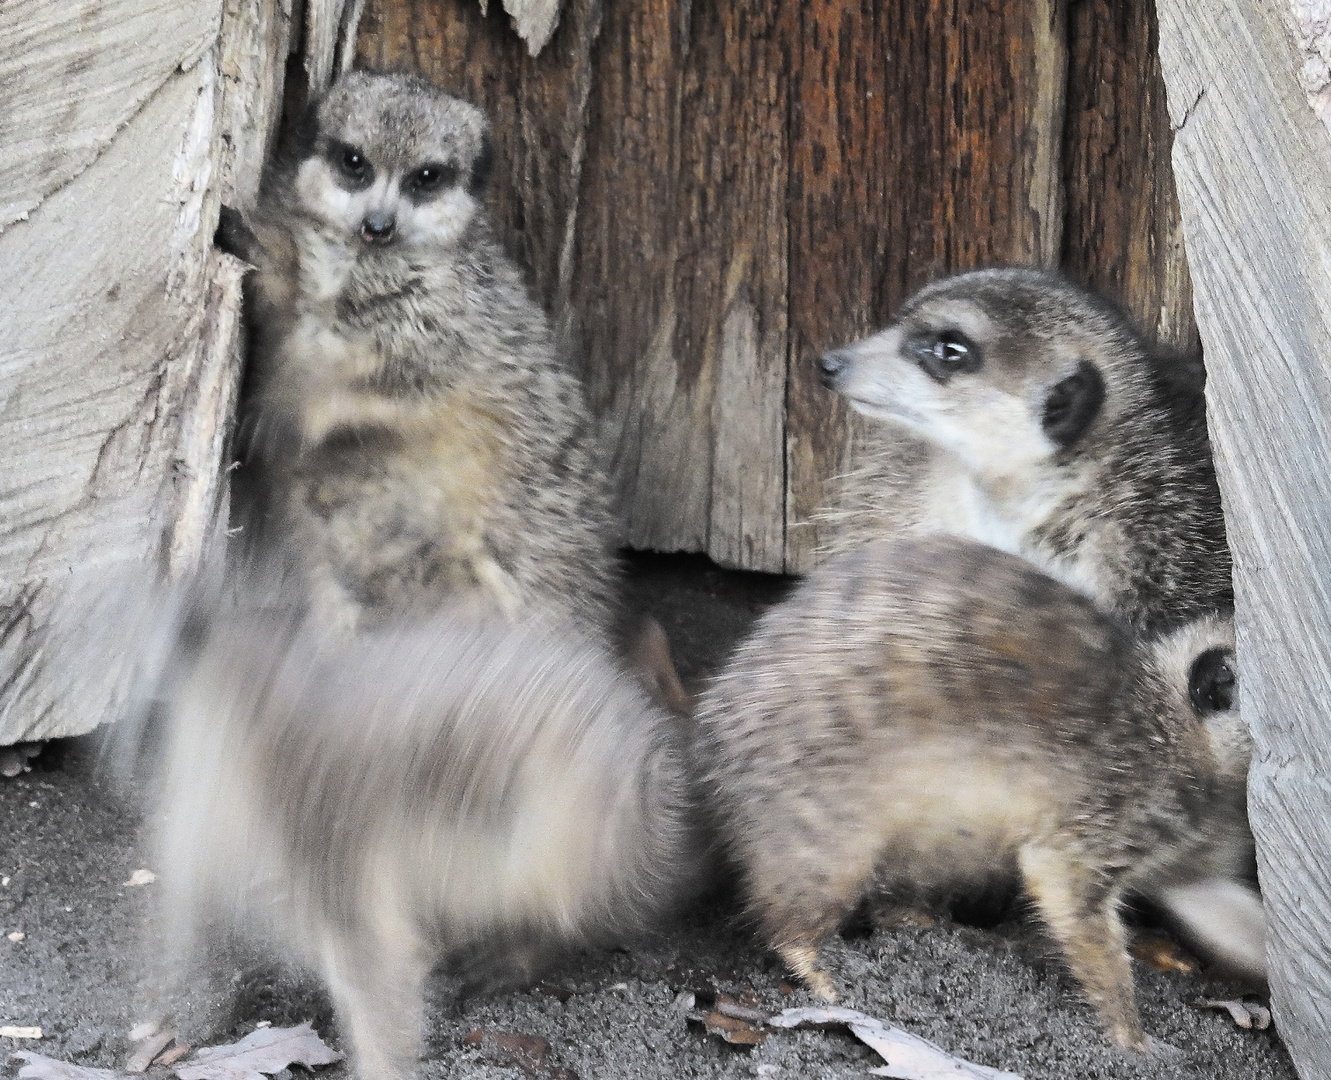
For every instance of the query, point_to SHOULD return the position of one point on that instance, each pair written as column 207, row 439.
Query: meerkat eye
column 945, row 354
column 1212, row 682
column 431, row 178
column 352, row 167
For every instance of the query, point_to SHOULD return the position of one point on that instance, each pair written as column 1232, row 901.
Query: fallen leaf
column 20, row 1033
column 1162, row 954
column 147, row 1050
column 267, row 1050
column 526, row 1052
column 140, row 877
column 908, row 1056
column 170, row 1057
column 1247, row 1014
column 16, row 936
column 734, row 1030
column 40, row 1067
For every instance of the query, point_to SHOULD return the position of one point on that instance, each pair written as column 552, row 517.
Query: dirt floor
column 995, row 996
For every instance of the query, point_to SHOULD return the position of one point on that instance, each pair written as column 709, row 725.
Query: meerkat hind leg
column 1082, row 915
column 802, row 959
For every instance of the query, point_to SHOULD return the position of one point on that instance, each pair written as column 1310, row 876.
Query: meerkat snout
column 378, row 227
column 831, row 365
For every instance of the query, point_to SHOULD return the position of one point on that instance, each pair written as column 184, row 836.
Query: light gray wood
column 128, row 124
column 1251, row 160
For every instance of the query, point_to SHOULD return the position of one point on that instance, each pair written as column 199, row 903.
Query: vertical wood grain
column 1124, row 235
column 1251, row 159
column 916, row 131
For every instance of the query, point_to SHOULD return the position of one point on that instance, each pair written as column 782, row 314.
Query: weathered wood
column 120, row 356
column 1251, row 159
column 924, row 139
column 1123, row 233
column 640, row 178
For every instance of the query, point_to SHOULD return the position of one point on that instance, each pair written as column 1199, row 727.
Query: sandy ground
column 996, row 996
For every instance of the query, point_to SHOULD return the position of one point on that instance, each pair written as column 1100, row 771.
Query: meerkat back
column 473, row 791
column 931, row 711
column 1053, row 431
column 413, row 431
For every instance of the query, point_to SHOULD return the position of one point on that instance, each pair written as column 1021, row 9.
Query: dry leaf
column 147, row 1050
column 1247, row 1014
column 1162, row 954
column 140, row 877
column 20, row 1033
column 527, row 1052
column 170, row 1057
column 908, row 1056
column 268, row 1050
column 731, row 1028
column 40, row 1067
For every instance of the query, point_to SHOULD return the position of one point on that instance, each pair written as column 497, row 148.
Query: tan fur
column 932, row 712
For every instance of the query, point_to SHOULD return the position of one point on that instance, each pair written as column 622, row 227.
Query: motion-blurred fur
column 472, row 791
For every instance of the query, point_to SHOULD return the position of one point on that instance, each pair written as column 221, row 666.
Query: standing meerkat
column 929, row 712
column 415, row 433
column 362, row 807
column 1053, row 431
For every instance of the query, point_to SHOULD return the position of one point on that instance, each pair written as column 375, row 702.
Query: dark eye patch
column 1212, row 682
column 945, row 353
column 353, row 169
column 430, row 179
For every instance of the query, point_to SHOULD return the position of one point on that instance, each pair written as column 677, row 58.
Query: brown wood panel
column 923, row 140
column 641, row 177
column 1123, row 233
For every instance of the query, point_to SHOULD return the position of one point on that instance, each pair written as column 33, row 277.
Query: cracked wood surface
column 123, row 126
column 1251, row 157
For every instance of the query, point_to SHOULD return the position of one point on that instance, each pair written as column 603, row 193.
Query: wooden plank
column 1250, row 158
column 1123, row 234
column 121, row 355
column 74, row 74
column 924, row 140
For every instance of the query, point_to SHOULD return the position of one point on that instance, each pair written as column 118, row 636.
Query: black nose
column 831, row 365
column 377, row 228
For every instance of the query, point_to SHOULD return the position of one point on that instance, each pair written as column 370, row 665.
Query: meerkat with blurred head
column 930, row 712
column 415, row 433
column 448, row 788
column 1053, row 431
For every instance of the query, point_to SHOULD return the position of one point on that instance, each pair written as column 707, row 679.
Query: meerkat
column 927, row 712
column 412, row 432
column 451, row 788
column 1050, row 430
column 1206, row 891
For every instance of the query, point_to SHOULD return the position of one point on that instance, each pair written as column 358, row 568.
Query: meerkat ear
column 482, row 167
column 1072, row 404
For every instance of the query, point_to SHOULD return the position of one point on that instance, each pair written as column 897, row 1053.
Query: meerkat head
column 1004, row 368
column 1199, row 659
column 391, row 162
